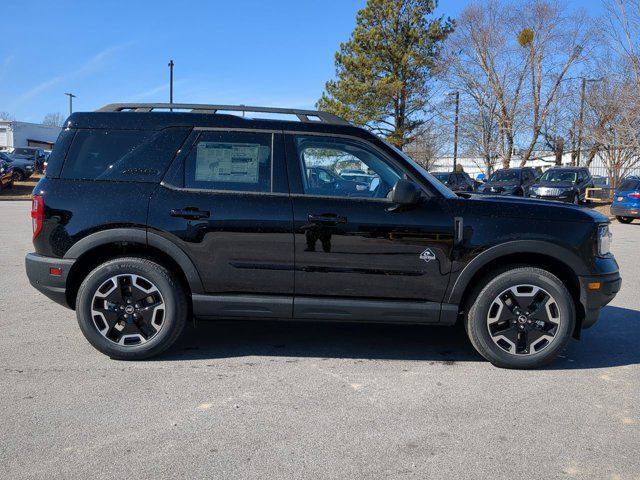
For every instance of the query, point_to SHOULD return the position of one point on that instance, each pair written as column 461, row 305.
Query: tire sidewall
column 478, row 318
column 173, row 297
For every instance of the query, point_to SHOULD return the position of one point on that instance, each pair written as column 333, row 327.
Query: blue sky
column 274, row 53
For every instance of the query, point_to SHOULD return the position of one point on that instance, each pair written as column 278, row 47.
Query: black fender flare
column 141, row 236
column 557, row 252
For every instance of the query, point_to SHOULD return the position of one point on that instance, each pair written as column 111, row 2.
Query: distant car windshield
column 505, row 176
column 558, row 176
column 443, row 177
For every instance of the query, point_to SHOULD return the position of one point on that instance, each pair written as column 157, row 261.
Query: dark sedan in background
column 23, row 167
column 566, row 184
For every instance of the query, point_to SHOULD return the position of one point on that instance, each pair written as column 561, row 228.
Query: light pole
column 455, row 130
column 71, row 97
column 171, row 82
column 583, row 89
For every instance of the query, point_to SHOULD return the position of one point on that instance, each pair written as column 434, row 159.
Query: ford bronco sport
column 151, row 214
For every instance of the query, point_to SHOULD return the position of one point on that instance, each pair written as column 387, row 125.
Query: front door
column 226, row 204
column 356, row 255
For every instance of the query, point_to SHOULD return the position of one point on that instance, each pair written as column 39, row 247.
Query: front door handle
column 327, row 218
column 189, row 213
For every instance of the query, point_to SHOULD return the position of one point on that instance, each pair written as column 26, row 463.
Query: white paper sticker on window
column 227, row 162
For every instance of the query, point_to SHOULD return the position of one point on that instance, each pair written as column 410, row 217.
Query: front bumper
column 593, row 299
column 39, row 273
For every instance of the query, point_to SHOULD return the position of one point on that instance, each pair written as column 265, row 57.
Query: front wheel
column 522, row 318
column 624, row 219
column 131, row 308
column 18, row 176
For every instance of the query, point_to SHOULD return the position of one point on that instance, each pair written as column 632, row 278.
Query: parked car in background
column 6, row 174
column 510, row 181
column 23, row 167
column 456, row 181
column 626, row 200
column 37, row 155
column 323, row 180
column 566, row 184
column 357, row 176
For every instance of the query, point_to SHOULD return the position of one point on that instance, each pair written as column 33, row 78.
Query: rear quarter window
column 122, row 155
column 630, row 184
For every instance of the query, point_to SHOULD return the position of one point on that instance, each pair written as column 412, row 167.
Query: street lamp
column 581, row 114
column 71, row 97
column 170, row 64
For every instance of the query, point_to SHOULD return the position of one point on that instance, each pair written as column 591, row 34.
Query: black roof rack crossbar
column 307, row 116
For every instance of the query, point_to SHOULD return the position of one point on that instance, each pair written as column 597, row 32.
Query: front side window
column 328, row 165
column 234, row 161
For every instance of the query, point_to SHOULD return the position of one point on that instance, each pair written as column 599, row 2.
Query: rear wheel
column 624, row 219
column 522, row 318
column 18, row 176
column 131, row 308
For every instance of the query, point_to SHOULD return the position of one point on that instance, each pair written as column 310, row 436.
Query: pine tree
column 383, row 71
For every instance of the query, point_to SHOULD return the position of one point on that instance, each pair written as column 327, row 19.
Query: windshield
column 512, row 176
column 558, row 176
column 426, row 175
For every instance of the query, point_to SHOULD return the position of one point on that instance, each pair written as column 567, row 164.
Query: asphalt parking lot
column 286, row 400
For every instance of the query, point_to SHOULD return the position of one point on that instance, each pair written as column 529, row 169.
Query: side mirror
column 405, row 193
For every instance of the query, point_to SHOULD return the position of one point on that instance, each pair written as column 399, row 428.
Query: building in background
column 24, row 134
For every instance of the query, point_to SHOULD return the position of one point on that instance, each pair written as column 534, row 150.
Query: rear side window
column 122, row 155
column 630, row 184
column 234, row 161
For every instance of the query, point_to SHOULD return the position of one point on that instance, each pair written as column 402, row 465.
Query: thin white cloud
column 92, row 65
column 4, row 67
column 151, row 92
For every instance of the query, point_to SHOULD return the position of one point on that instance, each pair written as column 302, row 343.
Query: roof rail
column 306, row 116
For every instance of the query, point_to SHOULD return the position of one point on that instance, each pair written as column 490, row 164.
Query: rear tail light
column 37, row 214
column 634, row 195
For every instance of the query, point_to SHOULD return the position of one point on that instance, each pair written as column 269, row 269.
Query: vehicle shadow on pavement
column 224, row 339
column 612, row 342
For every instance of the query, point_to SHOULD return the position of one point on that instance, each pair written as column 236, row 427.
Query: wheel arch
column 557, row 260
column 101, row 246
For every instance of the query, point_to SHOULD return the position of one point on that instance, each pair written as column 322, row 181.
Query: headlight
column 604, row 240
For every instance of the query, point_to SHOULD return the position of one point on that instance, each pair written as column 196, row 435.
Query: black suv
column 566, row 184
column 146, row 218
column 510, row 181
column 456, row 181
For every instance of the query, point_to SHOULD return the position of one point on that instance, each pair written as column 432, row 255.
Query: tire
column 18, row 176
column 547, row 328
column 145, row 290
column 624, row 219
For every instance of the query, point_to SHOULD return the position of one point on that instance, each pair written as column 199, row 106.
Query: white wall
column 19, row 133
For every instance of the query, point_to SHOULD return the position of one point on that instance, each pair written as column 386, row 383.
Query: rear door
column 225, row 203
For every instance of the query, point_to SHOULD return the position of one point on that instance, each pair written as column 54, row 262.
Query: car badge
column 427, row 255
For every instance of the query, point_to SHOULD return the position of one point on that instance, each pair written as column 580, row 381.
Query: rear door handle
column 327, row 218
column 189, row 213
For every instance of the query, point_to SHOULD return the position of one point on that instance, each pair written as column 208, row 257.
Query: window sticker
column 227, row 162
